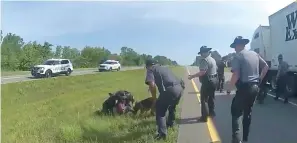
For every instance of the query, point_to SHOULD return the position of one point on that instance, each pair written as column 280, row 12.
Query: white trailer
column 280, row 37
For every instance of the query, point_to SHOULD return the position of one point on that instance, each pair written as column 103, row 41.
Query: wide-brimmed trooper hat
column 150, row 62
column 204, row 49
column 280, row 56
column 239, row 40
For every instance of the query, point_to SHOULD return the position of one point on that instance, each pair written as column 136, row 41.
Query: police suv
column 52, row 67
column 109, row 65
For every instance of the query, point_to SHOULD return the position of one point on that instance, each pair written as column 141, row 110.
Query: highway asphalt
column 20, row 78
column 272, row 122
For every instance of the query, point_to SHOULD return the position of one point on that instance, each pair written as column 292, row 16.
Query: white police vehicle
column 52, row 67
column 109, row 65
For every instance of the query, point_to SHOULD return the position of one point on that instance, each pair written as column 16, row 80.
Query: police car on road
column 52, row 67
column 109, row 65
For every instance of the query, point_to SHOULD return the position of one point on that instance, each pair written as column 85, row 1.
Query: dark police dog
column 145, row 105
column 118, row 98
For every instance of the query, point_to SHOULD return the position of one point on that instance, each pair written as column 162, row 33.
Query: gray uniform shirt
column 247, row 64
column 283, row 68
column 162, row 76
column 209, row 65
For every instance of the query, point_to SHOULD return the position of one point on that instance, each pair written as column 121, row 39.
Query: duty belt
column 212, row 76
column 171, row 84
column 249, row 83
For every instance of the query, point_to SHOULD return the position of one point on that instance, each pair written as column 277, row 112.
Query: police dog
column 145, row 105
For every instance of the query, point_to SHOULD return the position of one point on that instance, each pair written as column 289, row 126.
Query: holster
column 204, row 79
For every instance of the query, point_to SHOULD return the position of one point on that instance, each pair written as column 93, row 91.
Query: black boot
column 286, row 101
column 202, row 119
column 275, row 98
column 212, row 114
column 236, row 141
column 160, row 137
column 170, row 125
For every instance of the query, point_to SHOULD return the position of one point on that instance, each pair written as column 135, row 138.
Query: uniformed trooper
column 170, row 88
column 209, row 78
column 281, row 79
column 221, row 76
column 246, row 77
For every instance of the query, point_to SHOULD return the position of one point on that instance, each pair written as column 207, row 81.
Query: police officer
column 281, row 78
column 170, row 88
column 221, row 66
column 245, row 75
column 209, row 79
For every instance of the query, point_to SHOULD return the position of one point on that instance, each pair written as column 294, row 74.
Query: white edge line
column 292, row 103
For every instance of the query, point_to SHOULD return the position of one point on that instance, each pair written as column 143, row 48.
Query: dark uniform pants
column 281, row 87
column 242, row 104
column 207, row 97
column 221, row 83
column 167, row 100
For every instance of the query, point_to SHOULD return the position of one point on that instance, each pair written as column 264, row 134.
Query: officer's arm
column 278, row 71
column 235, row 69
column 287, row 66
column 202, row 68
column 264, row 67
column 150, row 81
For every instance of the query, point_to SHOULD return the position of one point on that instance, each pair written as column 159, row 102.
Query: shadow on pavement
column 272, row 122
column 188, row 121
column 193, row 92
column 32, row 77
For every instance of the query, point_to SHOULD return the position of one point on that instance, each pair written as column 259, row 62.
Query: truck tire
column 48, row 74
column 68, row 72
column 119, row 68
column 290, row 86
column 294, row 94
column 110, row 69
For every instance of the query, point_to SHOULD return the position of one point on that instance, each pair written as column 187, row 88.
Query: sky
column 176, row 29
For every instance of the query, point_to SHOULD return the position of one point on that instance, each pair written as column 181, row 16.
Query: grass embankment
column 60, row 110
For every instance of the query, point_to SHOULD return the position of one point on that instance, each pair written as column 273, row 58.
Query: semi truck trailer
column 279, row 37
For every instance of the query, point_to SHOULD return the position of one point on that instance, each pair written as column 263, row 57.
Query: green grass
column 61, row 110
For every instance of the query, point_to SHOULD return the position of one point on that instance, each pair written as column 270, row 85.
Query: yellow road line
column 214, row 136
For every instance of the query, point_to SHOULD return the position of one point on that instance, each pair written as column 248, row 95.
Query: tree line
column 18, row 55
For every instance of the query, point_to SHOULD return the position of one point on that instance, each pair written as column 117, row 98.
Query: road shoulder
column 190, row 130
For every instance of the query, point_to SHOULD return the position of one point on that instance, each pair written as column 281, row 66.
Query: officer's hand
column 190, row 77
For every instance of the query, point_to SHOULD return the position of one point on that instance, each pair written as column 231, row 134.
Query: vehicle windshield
column 51, row 62
column 108, row 62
